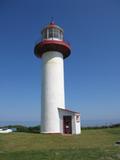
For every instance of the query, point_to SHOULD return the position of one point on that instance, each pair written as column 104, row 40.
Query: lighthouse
column 52, row 49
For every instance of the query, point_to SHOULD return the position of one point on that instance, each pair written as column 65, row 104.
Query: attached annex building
column 69, row 121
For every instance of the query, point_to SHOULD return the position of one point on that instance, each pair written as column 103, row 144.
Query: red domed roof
column 52, row 22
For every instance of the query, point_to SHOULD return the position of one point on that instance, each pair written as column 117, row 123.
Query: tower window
column 55, row 33
column 50, row 33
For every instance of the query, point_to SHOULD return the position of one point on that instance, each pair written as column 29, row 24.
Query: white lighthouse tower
column 53, row 50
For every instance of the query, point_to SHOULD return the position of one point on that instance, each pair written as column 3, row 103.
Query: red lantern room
column 52, row 40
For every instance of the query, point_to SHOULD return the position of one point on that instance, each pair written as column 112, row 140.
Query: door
column 67, row 124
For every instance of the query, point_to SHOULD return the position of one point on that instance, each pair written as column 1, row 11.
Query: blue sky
column 92, row 72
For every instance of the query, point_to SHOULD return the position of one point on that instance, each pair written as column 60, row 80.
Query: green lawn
column 96, row 144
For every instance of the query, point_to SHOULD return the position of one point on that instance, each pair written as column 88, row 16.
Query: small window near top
column 77, row 118
column 55, row 33
column 61, row 35
column 50, row 33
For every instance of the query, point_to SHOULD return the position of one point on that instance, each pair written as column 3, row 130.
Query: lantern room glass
column 52, row 33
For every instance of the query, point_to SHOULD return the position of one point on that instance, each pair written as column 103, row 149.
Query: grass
column 96, row 144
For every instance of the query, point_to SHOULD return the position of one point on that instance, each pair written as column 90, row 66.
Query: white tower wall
column 52, row 91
